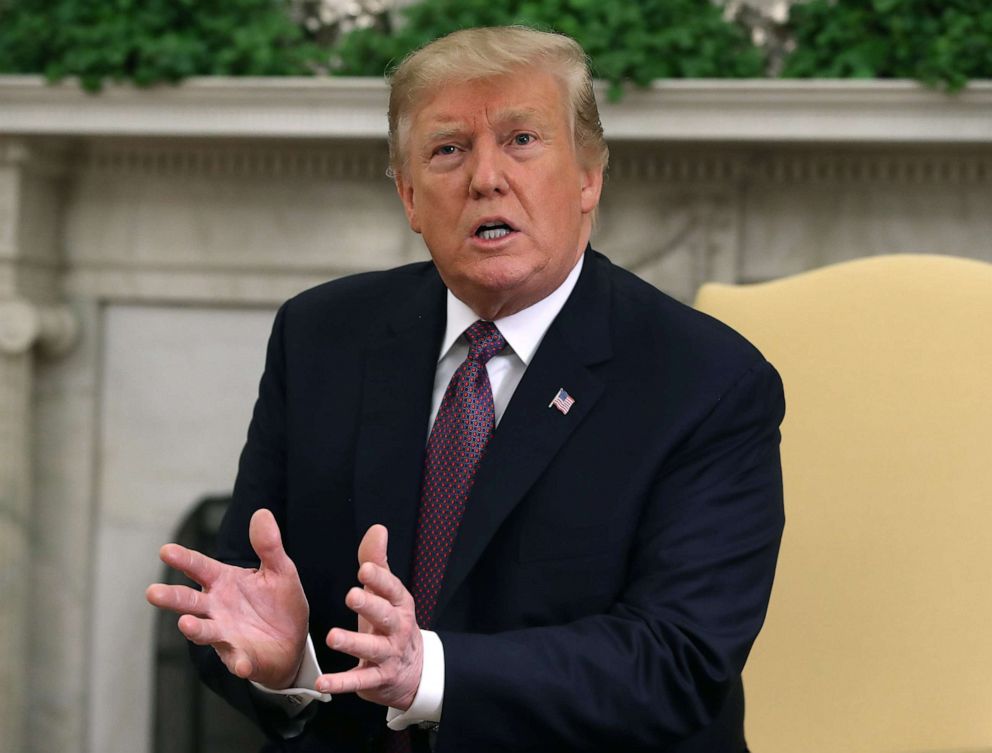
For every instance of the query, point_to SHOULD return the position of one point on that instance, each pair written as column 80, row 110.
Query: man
column 563, row 487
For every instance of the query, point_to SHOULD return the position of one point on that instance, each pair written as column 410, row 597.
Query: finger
column 373, row 648
column 195, row 566
column 236, row 660
column 352, row 681
column 383, row 616
column 373, row 546
column 200, row 631
column 243, row 666
column 263, row 533
column 383, row 583
column 181, row 599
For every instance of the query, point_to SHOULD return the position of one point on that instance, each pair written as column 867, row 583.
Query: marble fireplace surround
column 147, row 236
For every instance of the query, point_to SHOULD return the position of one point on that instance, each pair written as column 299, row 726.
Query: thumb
column 373, row 546
column 263, row 533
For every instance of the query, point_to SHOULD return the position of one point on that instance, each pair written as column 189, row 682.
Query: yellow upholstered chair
column 879, row 632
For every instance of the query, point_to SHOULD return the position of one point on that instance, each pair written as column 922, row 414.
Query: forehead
column 529, row 96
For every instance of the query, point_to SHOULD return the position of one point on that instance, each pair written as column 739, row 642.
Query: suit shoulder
column 668, row 331
column 362, row 288
column 354, row 309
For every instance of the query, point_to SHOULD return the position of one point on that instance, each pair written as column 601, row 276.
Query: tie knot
column 484, row 341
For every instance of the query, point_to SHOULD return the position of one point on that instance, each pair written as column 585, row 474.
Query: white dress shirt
column 523, row 333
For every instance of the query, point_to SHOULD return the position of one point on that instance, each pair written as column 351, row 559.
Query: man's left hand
column 387, row 644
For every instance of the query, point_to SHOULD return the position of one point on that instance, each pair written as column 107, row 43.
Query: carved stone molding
column 926, row 167
column 679, row 165
column 717, row 258
column 23, row 324
column 674, row 235
column 712, row 111
column 650, row 162
column 45, row 156
column 355, row 160
column 655, row 163
column 15, row 552
column 343, row 160
column 32, row 173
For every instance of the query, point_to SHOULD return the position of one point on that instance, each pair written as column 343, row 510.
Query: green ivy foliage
column 939, row 42
column 147, row 41
column 942, row 42
column 626, row 41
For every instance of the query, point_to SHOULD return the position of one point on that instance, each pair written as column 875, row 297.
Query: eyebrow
column 441, row 134
column 501, row 117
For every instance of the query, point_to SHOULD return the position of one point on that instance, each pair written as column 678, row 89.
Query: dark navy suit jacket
column 614, row 563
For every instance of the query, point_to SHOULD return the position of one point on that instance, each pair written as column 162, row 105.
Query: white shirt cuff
column 426, row 706
column 293, row 700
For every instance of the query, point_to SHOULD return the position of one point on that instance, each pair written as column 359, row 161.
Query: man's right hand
column 256, row 620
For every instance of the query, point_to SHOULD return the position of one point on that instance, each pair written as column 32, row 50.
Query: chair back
column 879, row 631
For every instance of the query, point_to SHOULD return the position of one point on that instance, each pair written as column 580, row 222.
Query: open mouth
column 492, row 231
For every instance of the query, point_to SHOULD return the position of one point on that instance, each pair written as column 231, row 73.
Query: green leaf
column 944, row 42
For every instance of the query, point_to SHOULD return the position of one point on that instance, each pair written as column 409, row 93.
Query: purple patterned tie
column 464, row 423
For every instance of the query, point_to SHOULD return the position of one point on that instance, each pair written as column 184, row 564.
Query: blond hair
column 488, row 52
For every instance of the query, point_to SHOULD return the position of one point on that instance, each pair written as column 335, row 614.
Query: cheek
column 436, row 202
column 563, row 194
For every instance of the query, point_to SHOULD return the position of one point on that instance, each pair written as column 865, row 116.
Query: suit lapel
column 530, row 432
column 396, row 402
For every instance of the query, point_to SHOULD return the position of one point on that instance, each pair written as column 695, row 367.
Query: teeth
column 493, row 233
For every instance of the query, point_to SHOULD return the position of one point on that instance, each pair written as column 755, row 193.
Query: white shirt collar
column 522, row 331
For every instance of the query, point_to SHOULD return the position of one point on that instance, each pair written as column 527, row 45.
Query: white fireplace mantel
column 721, row 111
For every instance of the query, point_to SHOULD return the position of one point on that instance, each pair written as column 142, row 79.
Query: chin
column 498, row 283
column 502, row 280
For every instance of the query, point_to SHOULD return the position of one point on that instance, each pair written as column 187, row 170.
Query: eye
column 446, row 150
column 523, row 139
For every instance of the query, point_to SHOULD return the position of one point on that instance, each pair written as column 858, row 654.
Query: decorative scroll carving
column 22, row 324
column 42, row 158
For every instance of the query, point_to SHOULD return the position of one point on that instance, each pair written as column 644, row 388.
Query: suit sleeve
column 660, row 664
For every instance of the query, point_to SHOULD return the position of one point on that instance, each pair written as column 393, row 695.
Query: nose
column 488, row 170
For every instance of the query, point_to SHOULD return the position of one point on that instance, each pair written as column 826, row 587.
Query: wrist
column 290, row 677
column 305, row 682
column 427, row 702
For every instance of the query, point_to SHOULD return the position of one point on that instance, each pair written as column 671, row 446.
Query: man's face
column 493, row 183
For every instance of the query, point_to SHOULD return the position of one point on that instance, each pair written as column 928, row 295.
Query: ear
column 590, row 187
column 404, row 187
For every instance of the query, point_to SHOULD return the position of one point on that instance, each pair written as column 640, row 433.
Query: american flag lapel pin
column 562, row 401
